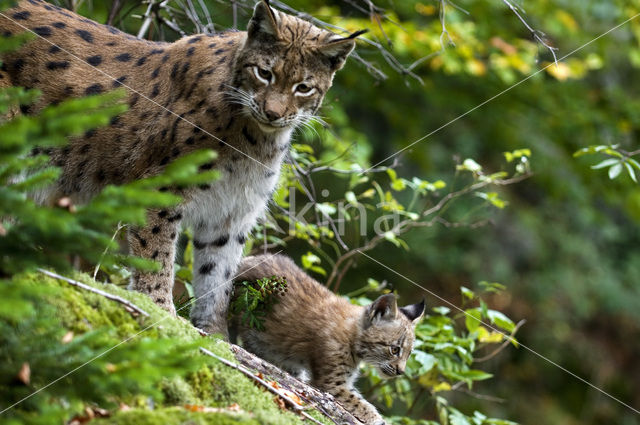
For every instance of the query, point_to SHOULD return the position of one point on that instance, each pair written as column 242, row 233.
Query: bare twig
column 147, row 19
column 443, row 22
column 113, row 12
column 234, row 8
column 341, row 274
column 629, row 154
column 128, row 304
column 502, row 346
column 480, row 396
column 405, row 225
column 210, row 27
column 95, row 271
column 537, row 35
column 325, row 403
column 310, row 193
column 290, row 402
column 339, row 171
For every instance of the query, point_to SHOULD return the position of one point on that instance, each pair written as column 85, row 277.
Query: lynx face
column 284, row 69
column 388, row 335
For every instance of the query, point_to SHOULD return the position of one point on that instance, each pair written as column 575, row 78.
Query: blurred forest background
column 562, row 237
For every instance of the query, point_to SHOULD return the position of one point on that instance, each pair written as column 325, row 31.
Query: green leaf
column 467, row 293
column 499, row 319
column 398, row 185
column 351, row 198
column 593, row 149
column 309, row 260
column 632, row 174
column 474, row 375
column 615, row 171
column 426, row 361
column 470, row 165
column 391, row 237
column 606, row 163
column 473, row 318
column 459, row 419
column 441, row 310
column 326, row 208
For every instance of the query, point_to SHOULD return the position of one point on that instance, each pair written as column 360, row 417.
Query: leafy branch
column 619, row 159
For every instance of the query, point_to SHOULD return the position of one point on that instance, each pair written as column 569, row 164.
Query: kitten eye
column 395, row 350
column 262, row 73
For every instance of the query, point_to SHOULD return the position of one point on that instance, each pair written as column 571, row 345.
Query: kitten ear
column 264, row 21
column 384, row 308
column 413, row 312
column 338, row 49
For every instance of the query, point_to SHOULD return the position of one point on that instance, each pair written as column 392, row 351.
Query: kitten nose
column 399, row 370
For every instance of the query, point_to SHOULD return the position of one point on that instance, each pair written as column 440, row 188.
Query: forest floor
column 213, row 393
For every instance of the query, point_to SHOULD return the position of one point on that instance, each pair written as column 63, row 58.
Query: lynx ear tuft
column 385, row 308
column 338, row 49
column 413, row 312
column 264, row 22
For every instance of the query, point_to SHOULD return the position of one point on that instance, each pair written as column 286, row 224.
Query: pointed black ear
column 264, row 22
column 413, row 312
column 384, row 308
column 338, row 49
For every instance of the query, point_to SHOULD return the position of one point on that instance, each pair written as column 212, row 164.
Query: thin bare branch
column 325, row 403
column 480, row 396
column 502, row 346
column 288, row 400
column 147, row 18
column 537, row 35
column 128, row 304
column 113, row 12
column 405, row 225
column 120, row 227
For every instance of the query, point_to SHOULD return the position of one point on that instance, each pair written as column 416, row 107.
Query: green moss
column 175, row 415
column 210, row 384
column 177, row 391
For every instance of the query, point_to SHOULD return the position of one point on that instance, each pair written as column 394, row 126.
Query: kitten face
column 388, row 335
column 284, row 69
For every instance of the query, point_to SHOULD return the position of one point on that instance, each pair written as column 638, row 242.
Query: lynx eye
column 302, row 89
column 263, row 75
column 395, row 350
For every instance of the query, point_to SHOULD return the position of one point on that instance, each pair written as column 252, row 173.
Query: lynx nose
column 399, row 370
column 272, row 115
column 275, row 107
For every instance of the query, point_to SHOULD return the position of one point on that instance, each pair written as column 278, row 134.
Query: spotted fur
column 248, row 89
column 311, row 329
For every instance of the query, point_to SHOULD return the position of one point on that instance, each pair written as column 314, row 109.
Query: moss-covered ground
column 204, row 391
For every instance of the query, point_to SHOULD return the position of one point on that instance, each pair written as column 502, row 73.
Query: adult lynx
column 248, row 89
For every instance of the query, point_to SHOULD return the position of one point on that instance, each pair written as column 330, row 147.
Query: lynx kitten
column 309, row 328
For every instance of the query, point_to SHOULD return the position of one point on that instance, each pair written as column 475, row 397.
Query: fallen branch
column 288, row 400
column 128, row 304
column 325, row 403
